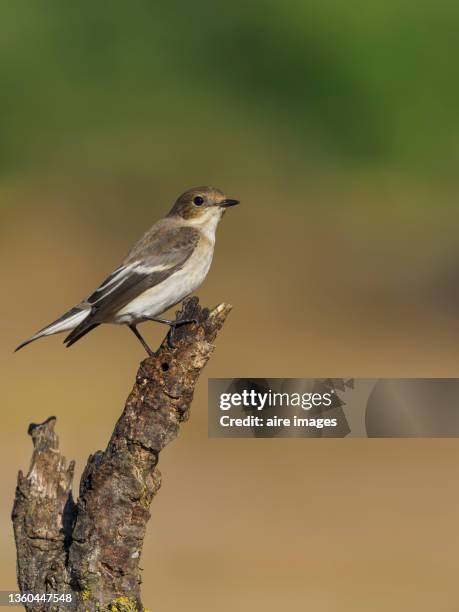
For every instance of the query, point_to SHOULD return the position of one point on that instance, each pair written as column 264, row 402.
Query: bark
column 92, row 549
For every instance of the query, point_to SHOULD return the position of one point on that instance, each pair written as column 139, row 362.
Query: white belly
column 174, row 289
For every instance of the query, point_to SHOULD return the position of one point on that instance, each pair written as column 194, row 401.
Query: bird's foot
column 173, row 326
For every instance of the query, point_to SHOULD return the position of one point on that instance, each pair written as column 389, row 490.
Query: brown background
column 246, row 524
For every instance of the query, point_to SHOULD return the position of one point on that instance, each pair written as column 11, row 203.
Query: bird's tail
column 69, row 320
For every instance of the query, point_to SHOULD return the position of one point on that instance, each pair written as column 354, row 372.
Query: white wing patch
column 117, row 278
column 111, row 283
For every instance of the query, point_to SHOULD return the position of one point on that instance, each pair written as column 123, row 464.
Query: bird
column 167, row 264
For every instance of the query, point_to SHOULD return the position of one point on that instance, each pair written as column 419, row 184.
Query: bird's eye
column 198, row 201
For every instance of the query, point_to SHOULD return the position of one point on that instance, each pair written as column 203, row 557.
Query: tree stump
column 91, row 549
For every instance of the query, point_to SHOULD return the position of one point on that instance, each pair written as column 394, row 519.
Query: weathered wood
column 43, row 514
column 92, row 549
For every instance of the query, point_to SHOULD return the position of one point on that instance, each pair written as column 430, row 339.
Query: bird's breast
column 173, row 289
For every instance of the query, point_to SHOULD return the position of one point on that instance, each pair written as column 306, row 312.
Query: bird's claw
column 177, row 323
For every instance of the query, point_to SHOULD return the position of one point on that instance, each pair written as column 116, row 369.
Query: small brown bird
column 168, row 263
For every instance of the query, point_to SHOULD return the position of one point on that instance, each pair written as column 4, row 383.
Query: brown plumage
column 168, row 263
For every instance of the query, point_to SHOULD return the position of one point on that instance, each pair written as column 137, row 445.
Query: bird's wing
column 164, row 252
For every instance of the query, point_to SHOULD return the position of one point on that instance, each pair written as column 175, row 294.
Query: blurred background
column 337, row 126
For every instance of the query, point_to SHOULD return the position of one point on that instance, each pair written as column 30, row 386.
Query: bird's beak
column 226, row 203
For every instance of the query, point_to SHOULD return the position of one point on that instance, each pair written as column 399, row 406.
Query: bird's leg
column 136, row 332
column 172, row 325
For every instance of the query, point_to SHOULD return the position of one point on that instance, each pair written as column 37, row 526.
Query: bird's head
column 201, row 204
